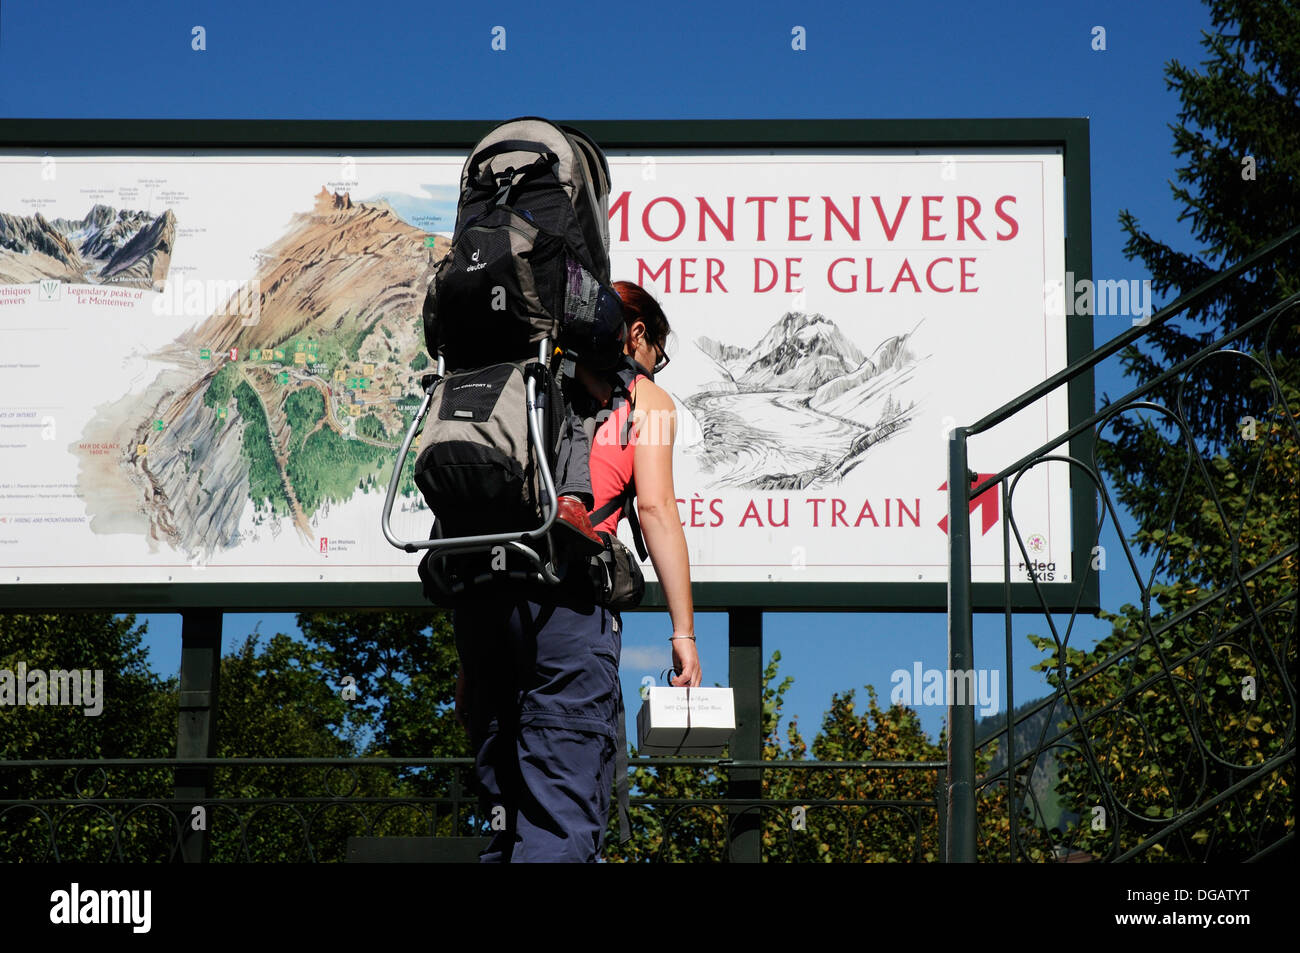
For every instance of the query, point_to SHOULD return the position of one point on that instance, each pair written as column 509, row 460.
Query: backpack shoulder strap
column 626, row 502
column 624, row 377
column 629, row 510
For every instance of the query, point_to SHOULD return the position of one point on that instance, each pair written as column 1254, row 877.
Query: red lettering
column 760, row 199
column 867, row 287
column 681, row 502
column 620, row 205
column 790, row 274
column 914, row 517
column 814, row 501
column 853, row 230
column 643, row 272
column 891, row 230
column 710, row 277
column 713, row 508
column 927, row 218
column 728, row 231
column 830, row 275
column 929, row 277
column 681, row 218
column 1015, row 226
column 685, row 275
column 965, row 221
column 775, row 273
column 797, row 218
column 751, row 508
column 697, row 504
column 906, row 269
column 837, row 513
column 785, row 514
column 964, row 276
column 866, row 513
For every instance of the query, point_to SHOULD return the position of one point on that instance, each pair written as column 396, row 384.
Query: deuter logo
column 477, row 264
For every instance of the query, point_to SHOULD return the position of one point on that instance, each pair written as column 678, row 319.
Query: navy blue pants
column 542, row 696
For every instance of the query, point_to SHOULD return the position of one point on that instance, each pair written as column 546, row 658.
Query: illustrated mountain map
column 292, row 396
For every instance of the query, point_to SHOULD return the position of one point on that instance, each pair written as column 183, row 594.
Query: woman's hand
column 661, row 525
column 686, row 660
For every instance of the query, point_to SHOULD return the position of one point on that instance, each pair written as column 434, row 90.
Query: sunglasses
column 661, row 357
column 662, row 360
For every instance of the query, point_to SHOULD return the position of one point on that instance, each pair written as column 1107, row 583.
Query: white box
column 682, row 721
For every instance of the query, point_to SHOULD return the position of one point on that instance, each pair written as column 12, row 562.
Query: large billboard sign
column 208, row 358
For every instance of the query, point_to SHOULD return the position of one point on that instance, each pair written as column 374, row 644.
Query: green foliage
column 1243, row 102
column 1172, row 724
column 828, row 833
column 372, row 427
column 1165, row 720
column 405, row 665
column 279, row 698
column 330, row 467
column 304, row 408
column 264, row 481
column 221, row 385
column 353, row 347
column 288, row 700
column 330, row 352
column 420, row 361
column 138, row 720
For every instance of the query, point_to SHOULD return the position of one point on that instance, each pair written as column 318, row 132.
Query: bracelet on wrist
column 691, row 637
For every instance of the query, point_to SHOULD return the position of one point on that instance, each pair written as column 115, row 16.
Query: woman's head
column 647, row 327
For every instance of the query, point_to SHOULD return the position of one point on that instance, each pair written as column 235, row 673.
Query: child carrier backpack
column 521, row 295
column 529, row 258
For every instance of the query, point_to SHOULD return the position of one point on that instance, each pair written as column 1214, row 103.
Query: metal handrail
column 1118, row 343
column 963, row 486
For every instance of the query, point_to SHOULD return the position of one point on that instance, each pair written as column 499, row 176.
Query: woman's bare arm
column 655, row 420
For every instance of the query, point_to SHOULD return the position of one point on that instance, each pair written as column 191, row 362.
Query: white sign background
column 792, row 243
column 774, row 400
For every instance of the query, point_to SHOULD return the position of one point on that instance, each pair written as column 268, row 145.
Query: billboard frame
column 1070, row 135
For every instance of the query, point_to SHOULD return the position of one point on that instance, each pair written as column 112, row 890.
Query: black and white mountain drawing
column 800, row 408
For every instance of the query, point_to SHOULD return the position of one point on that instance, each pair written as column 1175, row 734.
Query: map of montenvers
column 293, row 393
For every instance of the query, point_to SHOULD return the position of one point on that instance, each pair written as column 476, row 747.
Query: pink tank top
column 611, row 464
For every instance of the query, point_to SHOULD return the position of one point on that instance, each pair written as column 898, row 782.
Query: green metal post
column 745, row 658
column 961, row 657
column 196, row 735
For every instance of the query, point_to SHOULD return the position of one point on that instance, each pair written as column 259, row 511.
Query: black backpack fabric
column 476, row 467
column 529, row 261
column 529, row 258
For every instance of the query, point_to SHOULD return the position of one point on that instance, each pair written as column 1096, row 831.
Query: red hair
column 639, row 305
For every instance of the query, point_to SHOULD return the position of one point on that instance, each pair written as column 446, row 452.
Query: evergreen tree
column 1238, row 137
column 1192, row 691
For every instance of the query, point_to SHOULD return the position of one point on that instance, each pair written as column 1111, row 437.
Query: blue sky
column 407, row 60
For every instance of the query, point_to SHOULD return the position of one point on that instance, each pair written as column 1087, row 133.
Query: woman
column 539, row 690
column 647, row 462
